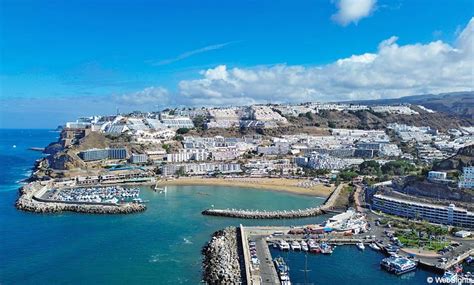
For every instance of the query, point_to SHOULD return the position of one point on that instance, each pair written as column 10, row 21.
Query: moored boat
column 295, row 245
column 360, row 245
column 398, row 265
column 304, row 246
column 325, row 248
column 282, row 270
column 374, row 246
column 283, row 245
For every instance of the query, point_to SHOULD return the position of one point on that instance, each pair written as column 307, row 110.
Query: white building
column 201, row 168
column 138, row 158
column 436, row 175
column 184, row 155
column 467, row 178
column 449, row 215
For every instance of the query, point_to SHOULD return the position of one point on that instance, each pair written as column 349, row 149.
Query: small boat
column 283, row 245
column 469, row 259
column 360, row 245
column 295, row 245
column 325, row 248
column 282, row 270
column 374, row 246
column 304, row 246
column 313, row 247
column 450, row 277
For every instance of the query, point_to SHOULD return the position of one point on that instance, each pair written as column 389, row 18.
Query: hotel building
column 448, row 215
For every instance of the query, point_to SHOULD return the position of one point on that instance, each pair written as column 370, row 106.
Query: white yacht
column 360, row 246
column 295, row 245
column 304, row 246
column 374, row 246
column 283, row 245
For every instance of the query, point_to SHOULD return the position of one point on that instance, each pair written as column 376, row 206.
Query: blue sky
column 63, row 59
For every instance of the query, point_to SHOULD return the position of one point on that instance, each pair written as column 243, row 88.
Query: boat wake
column 161, row 258
column 187, row 241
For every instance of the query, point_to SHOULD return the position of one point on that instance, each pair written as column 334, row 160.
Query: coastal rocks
column 255, row 214
column 31, row 205
column 221, row 264
column 292, row 214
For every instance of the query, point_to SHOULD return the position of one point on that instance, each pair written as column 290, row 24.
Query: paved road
column 267, row 270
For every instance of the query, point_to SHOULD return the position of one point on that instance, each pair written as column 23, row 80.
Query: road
column 267, row 270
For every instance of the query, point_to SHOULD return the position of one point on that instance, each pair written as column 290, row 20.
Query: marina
column 109, row 194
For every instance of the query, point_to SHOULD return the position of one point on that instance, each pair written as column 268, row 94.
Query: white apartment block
column 467, row 178
column 436, row 175
column 266, row 114
column 184, row 155
column 448, row 215
column 201, row 168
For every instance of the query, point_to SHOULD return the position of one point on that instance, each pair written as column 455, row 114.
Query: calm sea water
column 160, row 246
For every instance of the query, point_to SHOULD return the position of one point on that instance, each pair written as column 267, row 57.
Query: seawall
column 291, row 214
column 223, row 258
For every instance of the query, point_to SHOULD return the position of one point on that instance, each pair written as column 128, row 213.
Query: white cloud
column 149, row 95
column 392, row 71
column 352, row 10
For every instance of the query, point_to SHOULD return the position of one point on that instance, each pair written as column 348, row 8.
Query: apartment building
column 201, row 168
column 467, row 178
column 448, row 215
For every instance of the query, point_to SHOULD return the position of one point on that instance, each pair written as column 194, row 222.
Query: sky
column 63, row 59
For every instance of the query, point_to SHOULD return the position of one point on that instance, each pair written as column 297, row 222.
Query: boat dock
column 265, row 272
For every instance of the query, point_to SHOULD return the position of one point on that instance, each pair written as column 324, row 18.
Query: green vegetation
column 199, row 122
column 347, row 175
column 181, row 171
column 331, row 124
column 418, row 234
column 182, row 131
column 345, row 198
column 415, row 239
column 315, row 172
column 370, row 167
column 166, row 147
column 179, row 138
column 398, row 167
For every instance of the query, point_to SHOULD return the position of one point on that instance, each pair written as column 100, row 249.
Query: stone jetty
column 222, row 262
column 256, row 214
column 29, row 201
column 285, row 214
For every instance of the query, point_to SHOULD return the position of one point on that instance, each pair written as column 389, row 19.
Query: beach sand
column 274, row 184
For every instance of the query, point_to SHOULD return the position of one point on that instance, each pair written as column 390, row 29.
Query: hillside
column 464, row 157
column 460, row 104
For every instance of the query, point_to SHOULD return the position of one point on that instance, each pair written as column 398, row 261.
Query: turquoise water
column 159, row 246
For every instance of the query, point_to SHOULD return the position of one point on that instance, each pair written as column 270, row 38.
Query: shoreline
column 267, row 184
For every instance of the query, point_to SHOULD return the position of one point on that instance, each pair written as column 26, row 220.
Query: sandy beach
column 274, row 184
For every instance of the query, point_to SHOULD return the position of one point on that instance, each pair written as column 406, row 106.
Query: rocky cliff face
column 464, row 157
column 64, row 161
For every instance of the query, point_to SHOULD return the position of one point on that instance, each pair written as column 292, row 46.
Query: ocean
column 159, row 246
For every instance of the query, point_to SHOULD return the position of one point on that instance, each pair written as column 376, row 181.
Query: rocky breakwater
column 285, row 214
column 256, row 214
column 31, row 203
column 222, row 262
